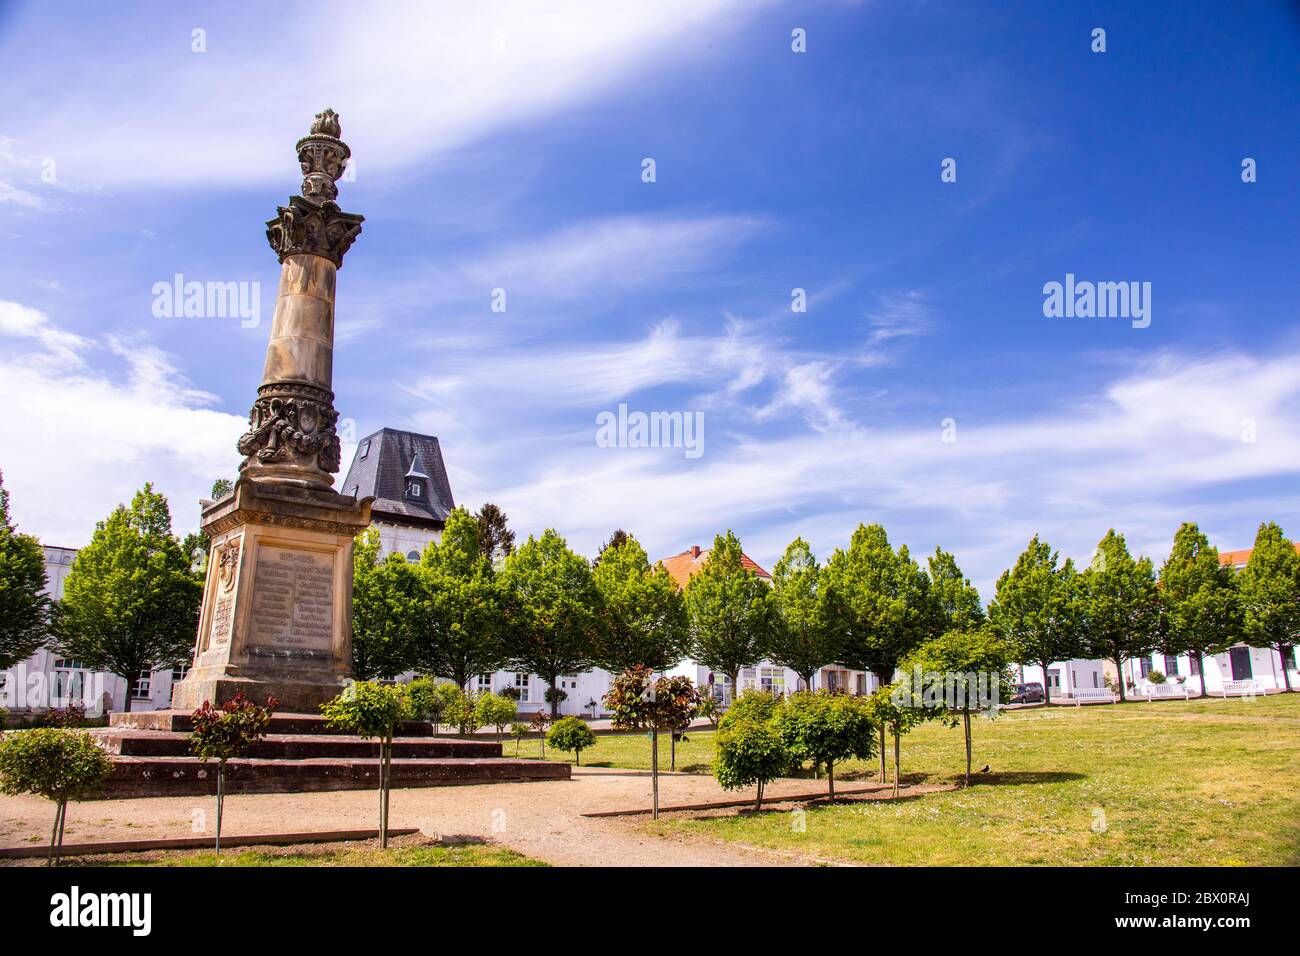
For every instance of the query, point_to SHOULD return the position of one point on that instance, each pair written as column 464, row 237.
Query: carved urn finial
column 323, row 157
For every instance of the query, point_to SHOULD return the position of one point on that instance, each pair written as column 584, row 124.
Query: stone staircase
column 300, row 753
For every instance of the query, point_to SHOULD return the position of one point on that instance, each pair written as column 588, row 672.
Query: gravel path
column 542, row 820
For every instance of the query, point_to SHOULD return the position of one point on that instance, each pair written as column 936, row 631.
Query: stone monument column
column 277, row 603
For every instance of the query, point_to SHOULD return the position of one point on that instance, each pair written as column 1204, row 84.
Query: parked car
column 1028, row 694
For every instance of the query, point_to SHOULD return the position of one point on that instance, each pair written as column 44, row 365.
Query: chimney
column 695, row 551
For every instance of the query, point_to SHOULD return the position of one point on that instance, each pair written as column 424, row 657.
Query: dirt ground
column 541, row 820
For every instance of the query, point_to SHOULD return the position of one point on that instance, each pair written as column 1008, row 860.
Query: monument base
column 277, row 602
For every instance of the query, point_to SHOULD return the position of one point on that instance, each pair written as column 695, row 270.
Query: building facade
column 47, row 681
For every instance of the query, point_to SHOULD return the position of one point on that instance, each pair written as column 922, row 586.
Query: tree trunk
column 1047, row 684
column 126, row 709
column 672, row 751
column 555, row 700
column 54, row 834
column 1286, row 674
column 221, row 795
column 654, row 773
column 966, row 720
column 1119, row 667
column 63, row 818
column 830, row 779
column 577, row 756
column 1200, row 670
column 758, row 801
column 387, row 771
column 898, row 773
column 884, row 775
column 735, row 685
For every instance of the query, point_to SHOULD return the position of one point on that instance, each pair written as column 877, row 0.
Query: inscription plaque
column 293, row 599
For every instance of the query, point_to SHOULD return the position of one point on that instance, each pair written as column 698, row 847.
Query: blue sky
column 501, row 146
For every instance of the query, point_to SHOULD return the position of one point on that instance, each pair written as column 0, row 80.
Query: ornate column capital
column 312, row 223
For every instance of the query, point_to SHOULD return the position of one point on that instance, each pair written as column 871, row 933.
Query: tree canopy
column 731, row 611
column 644, row 613
column 130, row 603
column 24, row 608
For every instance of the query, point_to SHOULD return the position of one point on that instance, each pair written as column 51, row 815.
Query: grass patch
column 632, row 751
column 1202, row 782
column 334, row 854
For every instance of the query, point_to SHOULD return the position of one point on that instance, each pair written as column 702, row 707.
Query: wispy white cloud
column 77, row 440
column 411, row 80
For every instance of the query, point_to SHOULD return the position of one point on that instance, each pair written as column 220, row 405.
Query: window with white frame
column 143, row 686
column 180, row 673
column 69, row 681
column 483, row 683
column 771, row 680
column 1054, row 678
column 521, row 685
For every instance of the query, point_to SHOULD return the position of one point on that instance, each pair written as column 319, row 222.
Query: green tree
column 59, row 765
column 1121, row 610
column 225, row 733
column 1203, row 609
column 463, row 627
column 731, row 611
column 494, row 710
column 556, row 619
column 130, row 603
column 967, row 670
column 221, row 487
column 956, row 601
column 1270, row 590
column 371, row 710
column 1037, row 610
column 571, row 734
column 495, row 538
column 807, row 634
column 637, row 702
column 431, row 700
column 891, row 709
column 749, row 752
column 24, row 608
column 387, row 610
column 826, row 728
column 885, row 603
column 644, row 612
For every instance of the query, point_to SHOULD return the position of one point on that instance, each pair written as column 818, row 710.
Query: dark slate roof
column 379, row 469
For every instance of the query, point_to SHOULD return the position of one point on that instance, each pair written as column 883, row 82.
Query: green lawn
column 470, row 854
column 694, row 755
column 1171, row 783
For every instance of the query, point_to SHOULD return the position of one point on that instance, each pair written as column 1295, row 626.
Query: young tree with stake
column 60, row 765
column 372, row 710
column 1121, row 606
column 226, row 733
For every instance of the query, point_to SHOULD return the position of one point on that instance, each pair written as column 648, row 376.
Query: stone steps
column 156, row 743
column 151, row 757
column 281, row 723
column 187, row 776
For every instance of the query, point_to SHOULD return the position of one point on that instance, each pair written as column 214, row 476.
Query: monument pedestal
column 277, row 603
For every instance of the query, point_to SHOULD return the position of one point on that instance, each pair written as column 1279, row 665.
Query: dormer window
column 415, row 479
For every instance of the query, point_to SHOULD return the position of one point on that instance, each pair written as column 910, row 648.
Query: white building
column 764, row 675
column 46, row 681
column 1065, row 678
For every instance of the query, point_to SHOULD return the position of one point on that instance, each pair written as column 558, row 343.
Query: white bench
column 1242, row 688
column 1093, row 695
column 1170, row 690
